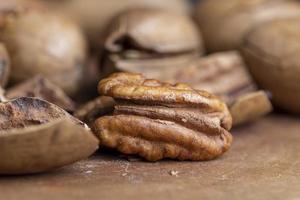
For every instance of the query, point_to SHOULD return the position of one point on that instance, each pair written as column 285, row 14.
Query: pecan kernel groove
column 158, row 120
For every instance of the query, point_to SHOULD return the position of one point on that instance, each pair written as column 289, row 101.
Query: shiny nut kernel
column 205, row 73
column 158, row 120
column 224, row 74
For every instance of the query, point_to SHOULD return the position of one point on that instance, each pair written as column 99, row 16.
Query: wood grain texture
column 264, row 163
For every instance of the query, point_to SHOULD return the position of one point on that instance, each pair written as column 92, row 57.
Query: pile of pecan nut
column 145, row 88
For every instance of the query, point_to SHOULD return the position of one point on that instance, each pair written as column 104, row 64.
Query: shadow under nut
column 155, row 139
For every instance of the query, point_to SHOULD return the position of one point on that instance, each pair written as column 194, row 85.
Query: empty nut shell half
column 154, row 30
column 147, row 40
column 271, row 52
column 37, row 136
column 158, row 120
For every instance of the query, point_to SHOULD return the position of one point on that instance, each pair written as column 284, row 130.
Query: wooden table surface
column 264, row 163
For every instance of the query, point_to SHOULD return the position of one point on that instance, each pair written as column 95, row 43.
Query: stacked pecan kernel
column 158, row 120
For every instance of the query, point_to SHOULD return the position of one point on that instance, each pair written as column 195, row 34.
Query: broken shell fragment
column 44, row 89
column 98, row 107
column 249, row 107
column 4, row 66
column 37, row 136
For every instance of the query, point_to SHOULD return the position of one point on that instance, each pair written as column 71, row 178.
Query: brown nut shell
column 94, row 16
column 154, row 30
column 4, row 66
column 158, row 120
column 37, row 136
column 250, row 107
column 159, row 67
column 40, row 42
column 271, row 52
column 224, row 27
column 94, row 109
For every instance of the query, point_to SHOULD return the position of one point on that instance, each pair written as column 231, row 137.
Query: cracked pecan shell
column 38, row 136
column 154, row 30
column 159, row 120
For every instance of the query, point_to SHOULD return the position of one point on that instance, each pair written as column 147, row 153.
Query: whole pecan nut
column 158, row 120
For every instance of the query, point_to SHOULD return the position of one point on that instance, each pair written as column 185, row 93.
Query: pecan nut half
column 158, row 120
column 223, row 74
